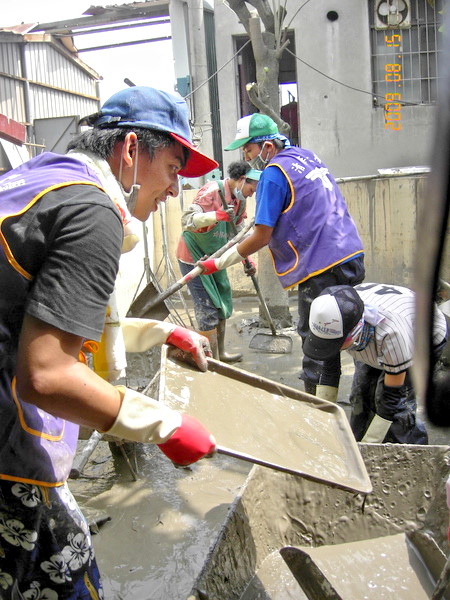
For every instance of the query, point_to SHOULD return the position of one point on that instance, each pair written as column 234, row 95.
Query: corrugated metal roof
column 63, row 45
column 40, row 78
column 152, row 4
column 22, row 28
column 96, row 15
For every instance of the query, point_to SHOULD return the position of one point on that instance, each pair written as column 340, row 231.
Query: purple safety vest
column 35, row 447
column 315, row 231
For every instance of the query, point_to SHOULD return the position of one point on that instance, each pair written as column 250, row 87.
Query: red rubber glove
column 209, row 266
column 228, row 258
column 190, row 442
column 190, row 341
column 224, row 215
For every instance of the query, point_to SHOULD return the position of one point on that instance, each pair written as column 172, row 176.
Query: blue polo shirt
column 272, row 197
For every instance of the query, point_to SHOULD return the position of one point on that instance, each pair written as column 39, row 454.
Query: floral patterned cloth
column 46, row 549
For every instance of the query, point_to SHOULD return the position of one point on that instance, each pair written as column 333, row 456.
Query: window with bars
column 406, row 40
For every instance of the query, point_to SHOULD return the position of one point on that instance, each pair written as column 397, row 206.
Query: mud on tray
column 279, row 426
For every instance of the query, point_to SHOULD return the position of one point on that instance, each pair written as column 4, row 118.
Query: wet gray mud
column 162, row 525
column 276, row 513
column 217, row 530
column 277, row 425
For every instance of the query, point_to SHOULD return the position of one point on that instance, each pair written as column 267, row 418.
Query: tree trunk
column 267, row 70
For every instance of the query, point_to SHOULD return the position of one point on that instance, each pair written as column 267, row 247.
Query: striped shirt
column 391, row 309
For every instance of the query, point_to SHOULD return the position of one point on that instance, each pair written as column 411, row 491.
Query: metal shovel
column 150, row 304
column 273, row 343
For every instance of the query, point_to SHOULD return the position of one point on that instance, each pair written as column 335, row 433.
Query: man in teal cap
column 303, row 218
column 207, row 225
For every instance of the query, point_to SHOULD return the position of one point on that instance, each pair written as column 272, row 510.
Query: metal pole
column 201, row 100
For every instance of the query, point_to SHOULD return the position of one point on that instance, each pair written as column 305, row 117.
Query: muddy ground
column 285, row 368
column 155, row 533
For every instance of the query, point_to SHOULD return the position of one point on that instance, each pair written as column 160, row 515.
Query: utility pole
column 203, row 135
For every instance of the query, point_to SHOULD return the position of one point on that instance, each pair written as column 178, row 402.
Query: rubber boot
column 377, row 430
column 310, row 387
column 212, row 337
column 327, row 392
column 225, row 356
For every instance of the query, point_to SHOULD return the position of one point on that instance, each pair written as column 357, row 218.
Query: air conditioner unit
column 392, row 14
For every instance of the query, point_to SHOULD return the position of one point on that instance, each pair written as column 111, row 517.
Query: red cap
column 197, row 163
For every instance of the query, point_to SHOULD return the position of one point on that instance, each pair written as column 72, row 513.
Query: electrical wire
column 296, row 13
column 218, row 70
column 351, row 87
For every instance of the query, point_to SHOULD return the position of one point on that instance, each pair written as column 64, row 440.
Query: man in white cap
column 303, row 218
column 65, row 220
column 375, row 323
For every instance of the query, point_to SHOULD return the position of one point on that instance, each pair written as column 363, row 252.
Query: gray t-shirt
column 70, row 242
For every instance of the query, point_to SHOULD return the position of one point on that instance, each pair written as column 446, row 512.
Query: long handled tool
column 149, row 298
column 272, row 344
column 81, row 459
column 84, row 455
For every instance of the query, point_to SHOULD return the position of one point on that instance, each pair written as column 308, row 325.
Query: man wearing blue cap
column 218, row 210
column 303, row 218
column 65, row 221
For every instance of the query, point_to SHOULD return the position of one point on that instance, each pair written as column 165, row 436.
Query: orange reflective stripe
column 36, row 432
column 290, row 185
column 91, row 589
column 339, row 262
column 8, row 253
column 297, row 258
column 32, row 481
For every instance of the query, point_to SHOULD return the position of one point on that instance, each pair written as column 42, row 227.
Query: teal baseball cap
column 149, row 108
column 253, row 126
column 253, row 174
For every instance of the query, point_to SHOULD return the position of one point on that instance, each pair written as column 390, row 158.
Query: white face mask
column 239, row 194
column 259, row 162
column 355, row 334
column 131, row 196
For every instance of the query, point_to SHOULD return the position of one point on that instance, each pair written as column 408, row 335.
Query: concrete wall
column 340, row 124
column 386, row 211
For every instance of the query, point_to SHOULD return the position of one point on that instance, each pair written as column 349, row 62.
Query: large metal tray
column 266, row 422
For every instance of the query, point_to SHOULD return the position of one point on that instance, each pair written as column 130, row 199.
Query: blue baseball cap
column 149, row 108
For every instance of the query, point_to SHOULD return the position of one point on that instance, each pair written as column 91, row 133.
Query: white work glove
column 141, row 334
column 204, row 219
column 182, row 438
column 228, row 258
